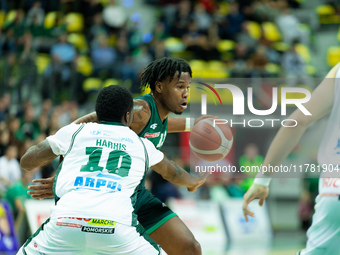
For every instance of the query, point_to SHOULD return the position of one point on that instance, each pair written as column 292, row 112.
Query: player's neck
column 163, row 111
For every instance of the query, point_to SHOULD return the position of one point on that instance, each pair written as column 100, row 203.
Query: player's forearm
column 181, row 177
column 91, row 117
column 36, row 156
column 173, row 173
column 176, row 125
column 284, row 142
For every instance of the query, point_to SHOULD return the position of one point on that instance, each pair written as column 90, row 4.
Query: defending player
column 323, row 235
column 169, row 80
column 96, row 184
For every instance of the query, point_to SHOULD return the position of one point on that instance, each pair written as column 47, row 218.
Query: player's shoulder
column 141, row 109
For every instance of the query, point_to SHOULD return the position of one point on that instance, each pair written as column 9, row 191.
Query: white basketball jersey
column 102, row 167
column 329, row 149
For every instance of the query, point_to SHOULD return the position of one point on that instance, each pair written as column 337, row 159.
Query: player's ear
column 159, row 87
column 128, row 117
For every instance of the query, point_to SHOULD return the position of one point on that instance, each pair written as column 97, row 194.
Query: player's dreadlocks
column 160, row 69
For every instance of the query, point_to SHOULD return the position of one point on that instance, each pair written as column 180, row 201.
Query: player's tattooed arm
column 141, row 115
column 172, row 172
column 37, row 155
column 91, row 117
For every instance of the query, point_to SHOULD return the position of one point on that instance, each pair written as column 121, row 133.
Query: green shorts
column 151, row 212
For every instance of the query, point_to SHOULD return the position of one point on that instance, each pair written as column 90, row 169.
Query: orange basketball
column 211, row 141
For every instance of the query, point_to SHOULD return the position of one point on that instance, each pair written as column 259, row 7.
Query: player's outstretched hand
column 43, row 190
column 204, row 117
column 254, row 192
column 200, row 181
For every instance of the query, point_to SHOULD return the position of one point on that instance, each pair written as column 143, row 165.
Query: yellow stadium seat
column 311, row 70
column 42, row 61
column 271, row 32
column 92, row 84
column 84, row 65
column 281, row 46
column 174, row 44
column 2, row 18
column 333, row 55
column 304, row 53
column 51, row 19
column 10, row 17
column 327, row 14
column 112, row 81
column 74, row 22
column 104, row 2
column 215, row 70
column 273, row 68
column 198, row 67
column 254, row 29
column 79, row 41
column 225, row 45
column 223, row 8
column 325, row 9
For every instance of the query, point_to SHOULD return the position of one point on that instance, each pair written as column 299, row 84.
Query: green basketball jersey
column 155, row 130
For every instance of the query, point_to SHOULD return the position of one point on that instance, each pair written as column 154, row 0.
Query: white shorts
column 69, row 235
column 324, row 233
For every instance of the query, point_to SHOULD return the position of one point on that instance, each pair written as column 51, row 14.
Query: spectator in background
column 290, row 26
column 195, row 41
column 29, row 128
column 182, row 19
column 252, row 159
column 209, row 5
column 16, row 196
column 159, row 33
column 143, row 58
column 17, row 192
column 4, row 140
column 293, row 66
column 13, row 126
column 202, row 18
column 58, row 73
column 97, row 27
column 292, row 62
column 5, row 101
column 9, row 169
column 37, row 13
column 232, row 25
column 8, row 42
column 10, row 75
column 239, row 67
column 257, row 63
column 124, row 67
column 103, row 58
column 90, row 8
column 18, row 25
column 266, row 10
column 246, row 39
column 159, row 50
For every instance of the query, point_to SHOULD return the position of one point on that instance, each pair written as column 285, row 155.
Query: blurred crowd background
column 56, row 54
